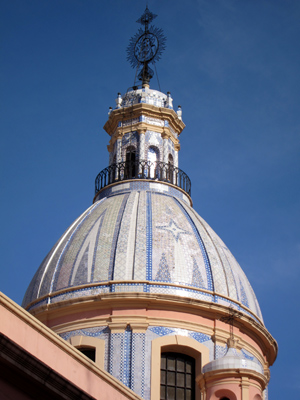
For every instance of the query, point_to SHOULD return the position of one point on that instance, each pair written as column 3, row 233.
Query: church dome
column 140, row 280
column 142, row 236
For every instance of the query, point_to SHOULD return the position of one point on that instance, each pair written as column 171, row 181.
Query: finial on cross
column 146, row 47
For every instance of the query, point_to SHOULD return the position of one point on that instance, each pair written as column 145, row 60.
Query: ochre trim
column 138, row 301
column 87, row 341
column 142, row 126
column 152, row 283
column 139, row 324
column 147, row 110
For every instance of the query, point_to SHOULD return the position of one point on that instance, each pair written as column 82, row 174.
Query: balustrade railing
column 155, row 171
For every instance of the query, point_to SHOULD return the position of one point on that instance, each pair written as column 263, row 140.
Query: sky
column 232, row 65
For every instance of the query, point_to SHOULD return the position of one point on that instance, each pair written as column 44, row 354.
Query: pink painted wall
column 152, row 311
column 254, row 393
column 230, row 390
column 23, row 329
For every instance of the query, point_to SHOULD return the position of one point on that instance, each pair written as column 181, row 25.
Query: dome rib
column 111, row 272
column 148, row 237
column 79, row 222
column 58, row 245
column 202, row 247
column 209, row 255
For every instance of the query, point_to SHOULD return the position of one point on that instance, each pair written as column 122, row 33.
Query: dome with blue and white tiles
column 140, row 277
column 142, row 236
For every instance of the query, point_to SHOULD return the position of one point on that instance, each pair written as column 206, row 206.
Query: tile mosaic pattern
column 131, row 287
column 124, row 253
column 174, row 237
column 147, row 96
column 140, row 255
column 228, row 277
column 233, row 359
column 113, row 231
column 246, row 354
column 161, row 331
column 181, row 292
column 163, row 273
column 128, row 122
column 142, row 143
column 138, row 363
column 89, row 291
column 117, row 350
column 154, row 139
column 154, row 121
column 220, row 351
column 91, row 332
column 41, row 282
column 128, row 354
column 197, row 277
column 200, row 337
column 124, row 354
column 142, row 232
column 244, row 299
column 129, row 139
column 149, row 237
column 142, row 186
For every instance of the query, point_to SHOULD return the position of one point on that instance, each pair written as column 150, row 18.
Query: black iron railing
column 156, row 171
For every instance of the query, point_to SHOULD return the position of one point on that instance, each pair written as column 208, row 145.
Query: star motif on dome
column 174, row 229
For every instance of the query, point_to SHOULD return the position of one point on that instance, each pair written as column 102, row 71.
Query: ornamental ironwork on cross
column 146, row 47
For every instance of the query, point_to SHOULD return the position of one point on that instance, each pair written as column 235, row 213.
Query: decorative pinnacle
column 146, row 47
column 147, row 17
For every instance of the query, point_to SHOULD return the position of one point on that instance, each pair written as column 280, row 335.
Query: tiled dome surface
column 145, row 240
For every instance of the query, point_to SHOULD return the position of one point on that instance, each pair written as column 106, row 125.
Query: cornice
column 116, row 282
column 123, row 301
column 141, row 127
column 139, row 324
column 147, row 110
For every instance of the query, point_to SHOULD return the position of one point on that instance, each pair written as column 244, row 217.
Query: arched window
column 177, row 377
column 153, row 157
column 90, row 352
column 225, row 394
column 130, row 163
column 93, row 348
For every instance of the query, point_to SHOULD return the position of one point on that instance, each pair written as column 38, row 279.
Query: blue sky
column 232, row 65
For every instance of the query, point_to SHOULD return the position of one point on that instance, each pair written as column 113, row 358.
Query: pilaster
column 245, row 388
